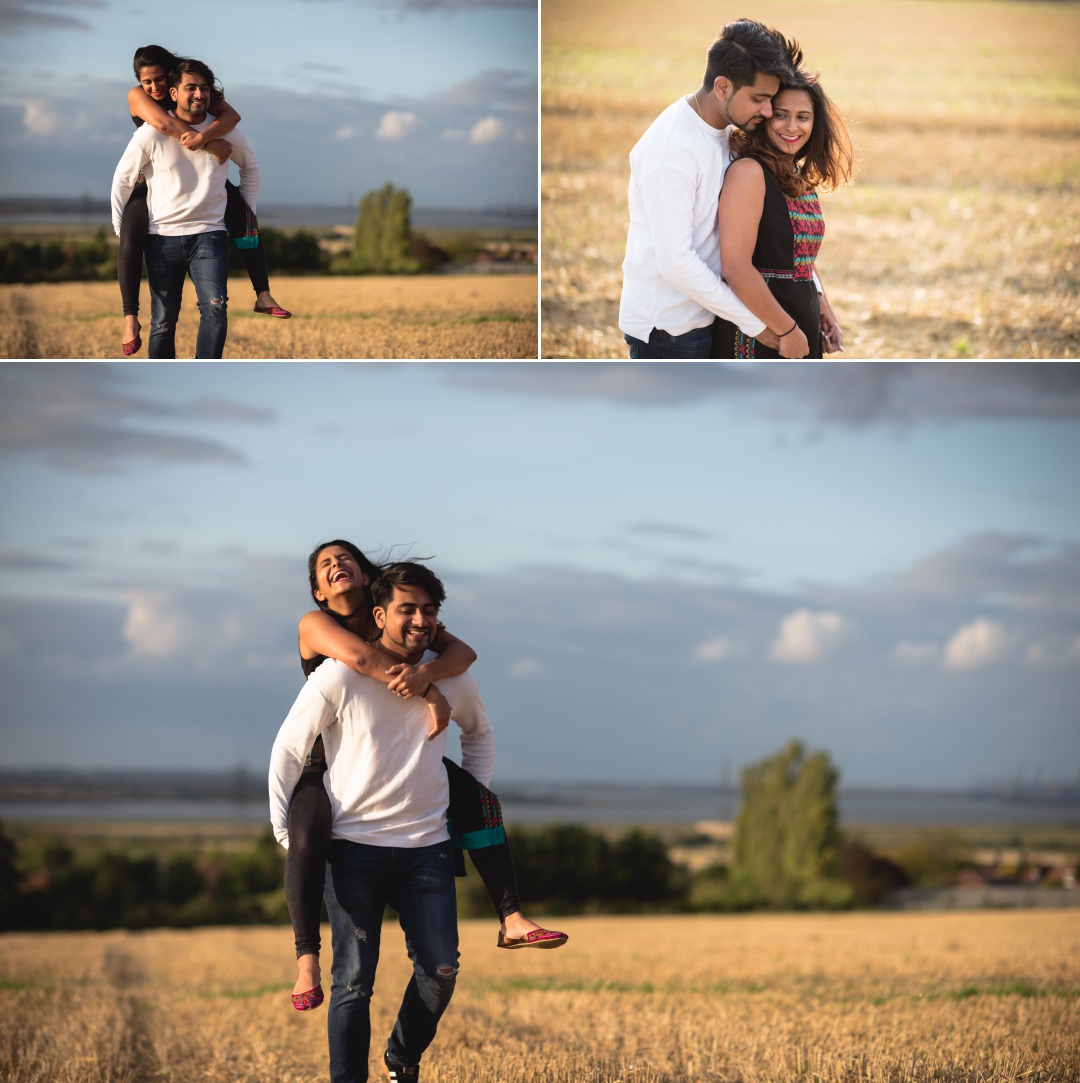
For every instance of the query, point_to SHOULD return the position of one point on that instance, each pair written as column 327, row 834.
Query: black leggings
column 240, row 221
column 475, row 825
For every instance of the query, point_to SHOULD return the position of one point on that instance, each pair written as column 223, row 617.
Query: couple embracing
column 725, row 222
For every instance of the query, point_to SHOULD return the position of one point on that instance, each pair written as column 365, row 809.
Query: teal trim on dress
column 246, row 242
column 479, row 840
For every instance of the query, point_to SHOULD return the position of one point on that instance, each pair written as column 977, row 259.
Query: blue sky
column 667, row 570
column 337, row 96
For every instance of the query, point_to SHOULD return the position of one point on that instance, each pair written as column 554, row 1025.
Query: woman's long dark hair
column 157, row 56
column 825, row 161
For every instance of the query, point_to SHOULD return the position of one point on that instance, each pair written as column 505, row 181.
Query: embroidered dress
column 788, row 240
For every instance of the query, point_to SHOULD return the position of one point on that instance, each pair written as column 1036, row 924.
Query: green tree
column 784, row 850
column 383, row 236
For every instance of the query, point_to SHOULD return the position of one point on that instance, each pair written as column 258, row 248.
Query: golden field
column 431, row 316
column 978, row 997
column 961, row 234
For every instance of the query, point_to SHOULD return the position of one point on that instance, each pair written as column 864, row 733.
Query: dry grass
column 961, row 235
column 868, row 998
column 439, row 316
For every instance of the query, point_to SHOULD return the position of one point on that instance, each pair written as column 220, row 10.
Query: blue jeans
column 419, row 884
column 206, row 257
column 663, row 346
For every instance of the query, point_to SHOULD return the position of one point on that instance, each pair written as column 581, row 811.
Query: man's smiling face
column 192, row 96
column 409, row 622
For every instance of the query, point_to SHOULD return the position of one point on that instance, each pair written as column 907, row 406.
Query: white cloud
column 717, row 650
column 487, row 130
column 346, row 132
column 39, row 118
column 915, row 653
column 156, row 628
column 977, row 644
column 810, row 636
column 525, row 667
column 396, row 125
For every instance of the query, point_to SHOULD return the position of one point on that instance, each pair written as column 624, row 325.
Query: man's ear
column 380, row 617
column 722, row 87
column 172, row 92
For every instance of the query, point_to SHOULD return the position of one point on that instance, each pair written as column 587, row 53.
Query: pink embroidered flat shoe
column 304, row 1002
column 537, row 938
column 274, row 310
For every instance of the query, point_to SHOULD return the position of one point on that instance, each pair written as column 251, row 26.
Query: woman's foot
column 517, row 931
column 132, row 342
column 307, row 992
column 266, row 304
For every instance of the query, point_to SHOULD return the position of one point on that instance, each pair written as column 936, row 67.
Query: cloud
column 717, row 650
column 846, row 395
column 488, row 130
column 396, row 125
column 26, row 16
column 525, row 667
column 806, row 636
column 88, row 419
column 671, row 530
column 980, row 643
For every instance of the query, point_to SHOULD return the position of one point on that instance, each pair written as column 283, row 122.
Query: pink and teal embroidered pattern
column 808, row 228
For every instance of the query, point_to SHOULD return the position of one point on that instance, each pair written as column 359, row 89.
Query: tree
column 786, row 836
column 383, row 235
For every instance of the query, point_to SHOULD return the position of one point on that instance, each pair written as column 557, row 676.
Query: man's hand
column 439, row 710
column 769, row 338
column 408, row 681
column 794, row 344
column 193, row 140
column 831, row 334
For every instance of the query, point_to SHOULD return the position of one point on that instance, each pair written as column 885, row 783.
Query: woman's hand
column 408, row 681
column 439, row 710
column 221, row 149
column 194, row 140
column 831, row 334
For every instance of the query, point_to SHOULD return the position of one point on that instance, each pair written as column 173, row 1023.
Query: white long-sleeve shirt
column 386, row 780
column 185, row 188
column 671, row 273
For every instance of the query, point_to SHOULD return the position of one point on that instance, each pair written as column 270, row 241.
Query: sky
column 667, row 570
column 337, row 97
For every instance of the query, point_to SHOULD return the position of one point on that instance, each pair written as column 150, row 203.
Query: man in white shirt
column 672, row 285
column 186, row 202
column 389, row 842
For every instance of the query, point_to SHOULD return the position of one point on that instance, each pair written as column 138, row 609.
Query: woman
column 339, row 575
column 771, row 226
column 149, row 103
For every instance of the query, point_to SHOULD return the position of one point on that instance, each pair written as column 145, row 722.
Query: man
column 186, row 202
column 389, row 845
column 672, row 285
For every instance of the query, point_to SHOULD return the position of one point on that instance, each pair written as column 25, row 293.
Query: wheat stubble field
column 980, row 997
column 961, row 235
column 430, row 316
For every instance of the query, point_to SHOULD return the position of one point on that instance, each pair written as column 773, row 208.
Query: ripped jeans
column 205, row 256
column 419, row 884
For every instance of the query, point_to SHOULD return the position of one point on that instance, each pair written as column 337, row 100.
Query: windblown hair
column 825, row 161
column 154, row 56
column 406, row 573
column 368, row 567
column 745, row 48
column 186, row 65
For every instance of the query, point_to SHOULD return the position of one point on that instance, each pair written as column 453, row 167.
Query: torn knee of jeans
column 446, row 973
column 360, row 934
column 217, row 300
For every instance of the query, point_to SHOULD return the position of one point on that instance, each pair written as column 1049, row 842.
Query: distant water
column 537, row 803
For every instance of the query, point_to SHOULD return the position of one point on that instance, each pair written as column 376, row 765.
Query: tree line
column 788, row 852
column 384, row 242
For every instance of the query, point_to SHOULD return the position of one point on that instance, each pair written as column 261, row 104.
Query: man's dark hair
column 406, row 573
column 746, row 48
column 187, row 66
column 153, row 56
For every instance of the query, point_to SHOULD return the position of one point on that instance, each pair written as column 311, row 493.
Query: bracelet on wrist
column 789, row 330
